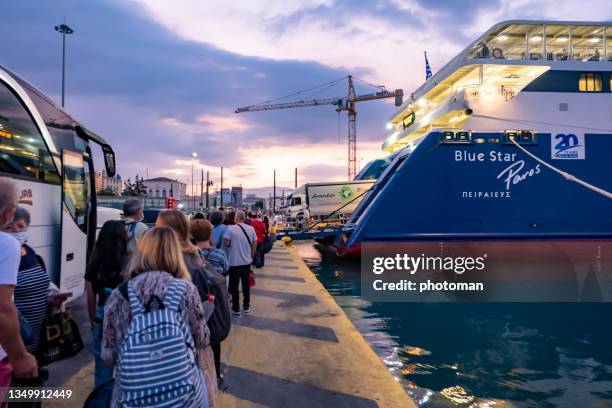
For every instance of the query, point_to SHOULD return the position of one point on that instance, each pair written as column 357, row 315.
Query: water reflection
column 481, row 354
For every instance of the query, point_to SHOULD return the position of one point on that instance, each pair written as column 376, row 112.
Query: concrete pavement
column 297, row 348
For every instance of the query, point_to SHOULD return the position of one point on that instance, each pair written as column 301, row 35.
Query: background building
column 215, row 198
column 165, row 187
column 236, row 198
column 108, row 184
column 252, row 201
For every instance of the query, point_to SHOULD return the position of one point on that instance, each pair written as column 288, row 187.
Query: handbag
column 38, row 382
column 60, row 339
column 252, row 281
column 101, row 396
column 267, row 243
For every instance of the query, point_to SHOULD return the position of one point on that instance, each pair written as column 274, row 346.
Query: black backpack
column 210, row 282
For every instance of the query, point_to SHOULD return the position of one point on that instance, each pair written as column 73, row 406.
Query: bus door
column 75, row 213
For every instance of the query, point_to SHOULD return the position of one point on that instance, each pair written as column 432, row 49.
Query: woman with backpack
column 220, row 322
column 159, row 300
column 201, row 232
column 196, row 267
column 103, row 274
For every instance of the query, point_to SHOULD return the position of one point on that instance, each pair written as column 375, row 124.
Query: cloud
column 161, row 79
column 157, row 97
column 222, row 123
column 383, row 40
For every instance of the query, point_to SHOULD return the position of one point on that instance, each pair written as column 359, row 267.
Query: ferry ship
column 508, row 147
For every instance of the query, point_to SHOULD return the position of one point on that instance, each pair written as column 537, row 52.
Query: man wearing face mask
column 14, row 357
column 133, row 214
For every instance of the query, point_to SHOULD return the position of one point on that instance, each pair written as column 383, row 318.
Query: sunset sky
column 161, row 79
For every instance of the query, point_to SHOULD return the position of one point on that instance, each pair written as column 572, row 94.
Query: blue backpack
column 158, row 361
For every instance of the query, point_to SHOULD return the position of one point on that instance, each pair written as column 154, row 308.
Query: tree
column 137, row 188
column 258, row 205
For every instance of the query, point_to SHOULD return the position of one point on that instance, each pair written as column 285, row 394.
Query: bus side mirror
column 109, row 160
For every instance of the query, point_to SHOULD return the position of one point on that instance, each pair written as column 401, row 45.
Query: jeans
column 240, row 275
column 216, row 348
column 204, row 395
column 102, row 372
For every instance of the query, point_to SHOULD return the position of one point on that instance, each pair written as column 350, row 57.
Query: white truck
column 316, row 201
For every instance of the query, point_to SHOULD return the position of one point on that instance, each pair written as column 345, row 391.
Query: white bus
column 49, row 156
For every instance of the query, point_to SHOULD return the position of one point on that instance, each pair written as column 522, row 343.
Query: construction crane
column 342, row 104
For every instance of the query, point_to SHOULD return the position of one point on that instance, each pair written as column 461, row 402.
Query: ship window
column 408, row 120
column 590, row 82
column 557, row 38
column 587, row 43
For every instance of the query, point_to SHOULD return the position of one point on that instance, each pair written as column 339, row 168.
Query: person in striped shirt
column 14, row 358
column 32, row 292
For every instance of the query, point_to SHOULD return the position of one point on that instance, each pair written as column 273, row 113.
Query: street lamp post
column 63, row 29
column 221, row 187
column 193, row 156
column 209, row 184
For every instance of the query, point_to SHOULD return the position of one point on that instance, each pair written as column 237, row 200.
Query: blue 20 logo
column 566, row 142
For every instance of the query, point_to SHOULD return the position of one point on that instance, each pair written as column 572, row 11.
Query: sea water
column 480, row 354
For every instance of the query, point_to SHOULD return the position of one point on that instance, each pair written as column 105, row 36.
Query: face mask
column 22, row 237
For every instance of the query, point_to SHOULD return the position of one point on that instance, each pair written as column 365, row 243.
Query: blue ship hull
column 486, row 188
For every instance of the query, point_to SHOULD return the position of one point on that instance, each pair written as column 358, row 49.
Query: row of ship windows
column 591, row 82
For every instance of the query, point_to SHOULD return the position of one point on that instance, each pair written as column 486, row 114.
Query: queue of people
column 157, row 300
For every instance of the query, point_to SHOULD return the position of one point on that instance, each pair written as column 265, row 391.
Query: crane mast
column 344, row 104
column 352, row 130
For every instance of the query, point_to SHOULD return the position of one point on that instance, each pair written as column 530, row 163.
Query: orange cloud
column 221, row 123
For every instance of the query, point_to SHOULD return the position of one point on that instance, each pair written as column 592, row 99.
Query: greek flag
column 427, row 68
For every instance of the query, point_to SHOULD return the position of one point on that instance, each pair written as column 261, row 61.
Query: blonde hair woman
column 158, row 261
column 178, row 221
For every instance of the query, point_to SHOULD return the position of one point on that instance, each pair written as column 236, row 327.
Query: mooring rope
column 566, row 175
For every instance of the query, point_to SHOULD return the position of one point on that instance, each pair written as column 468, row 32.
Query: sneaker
column 236, row 312
column 221, row 384
column 246, row 310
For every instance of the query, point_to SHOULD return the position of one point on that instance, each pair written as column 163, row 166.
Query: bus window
column 75, row 187
column 59, row 124
column 23, row 151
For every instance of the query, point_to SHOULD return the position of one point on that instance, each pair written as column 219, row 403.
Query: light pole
column 63, row 29
column 221, row 187
column 209, row 184
column 193, row 156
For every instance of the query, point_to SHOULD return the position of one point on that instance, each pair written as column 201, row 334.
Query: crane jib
column 342, row 104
